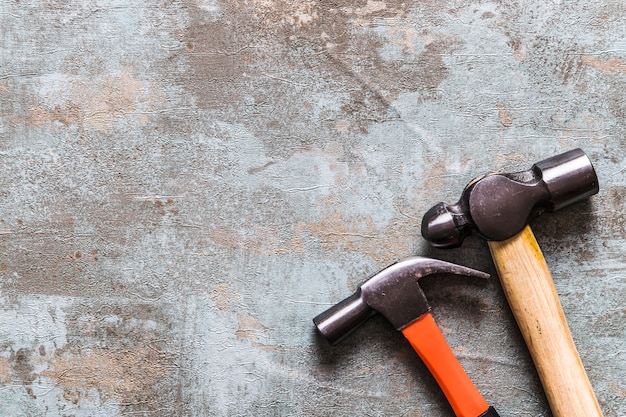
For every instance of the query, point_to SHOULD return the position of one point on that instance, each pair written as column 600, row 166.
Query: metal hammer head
column 497, row 206
column 394, row 292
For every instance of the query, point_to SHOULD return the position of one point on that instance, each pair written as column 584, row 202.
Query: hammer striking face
column 395, row 293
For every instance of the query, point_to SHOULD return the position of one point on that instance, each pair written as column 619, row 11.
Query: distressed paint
column 185, row 184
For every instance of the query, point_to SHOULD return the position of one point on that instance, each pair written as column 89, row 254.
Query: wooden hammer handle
column 531, row 294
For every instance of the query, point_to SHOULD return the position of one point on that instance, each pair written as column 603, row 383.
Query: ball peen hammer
column 395, row 293
column 497, row 207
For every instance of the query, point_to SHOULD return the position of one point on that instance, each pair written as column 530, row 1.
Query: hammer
column 497, row 207
column 395, row 293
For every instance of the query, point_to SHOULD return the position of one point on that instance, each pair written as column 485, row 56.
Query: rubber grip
column 432, row 348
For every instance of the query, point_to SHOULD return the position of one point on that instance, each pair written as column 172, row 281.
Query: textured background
column 185, row 184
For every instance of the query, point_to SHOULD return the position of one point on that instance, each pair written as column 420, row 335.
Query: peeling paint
column 5, row 376
column 223, row 295
column 127, row 376
column 250, row 328
column 606, row 66
column 505, row 117
column 96, row 103
column 341, row 231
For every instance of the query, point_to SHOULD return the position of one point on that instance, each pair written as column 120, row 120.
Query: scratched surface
column 185, row 184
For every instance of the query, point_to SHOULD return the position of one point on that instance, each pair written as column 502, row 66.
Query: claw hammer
column 497, row 207
column 395, row 293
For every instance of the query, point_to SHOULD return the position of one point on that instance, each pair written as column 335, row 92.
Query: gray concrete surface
column 185, row 184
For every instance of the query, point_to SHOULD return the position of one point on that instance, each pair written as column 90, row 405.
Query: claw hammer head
column 497, row 206
column 394, row 292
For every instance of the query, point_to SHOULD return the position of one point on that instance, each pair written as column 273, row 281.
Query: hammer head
column 497, row 206
column 394, row 292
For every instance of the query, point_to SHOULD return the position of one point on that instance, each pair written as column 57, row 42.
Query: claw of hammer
column 395, row 293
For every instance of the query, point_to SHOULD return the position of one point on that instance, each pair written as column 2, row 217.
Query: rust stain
column 337, row 229
column 248, row 326
column 606, row 66
column 520, row 54
column 57, row 272
column 66, row 115
column 297, row 13
column 435, row 181
column 98, row 103
column 121, row 375
column 369, row 8
column 276, row 235
column 260, row 239
column 460, row 350
column 407, row 35
column 256, row 170
column 227, row 238
column 223, row 295
column 248, row 329
column 340, row 231
column 5, row 375
column 23, row 369
column 343, row 125
column 505, row 117
column 587, row 122
column 504, row 160
column 616, row 389
column 431, row 64
column 228, row 68
column 519, row 50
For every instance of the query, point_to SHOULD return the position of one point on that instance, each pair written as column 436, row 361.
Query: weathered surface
column 185, row 184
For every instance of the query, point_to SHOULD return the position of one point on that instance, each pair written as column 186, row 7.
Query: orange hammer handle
column 432, row 348
column 532, row 296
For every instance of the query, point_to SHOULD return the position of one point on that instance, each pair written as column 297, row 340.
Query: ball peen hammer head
column 497, row 206
column 394, row 292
